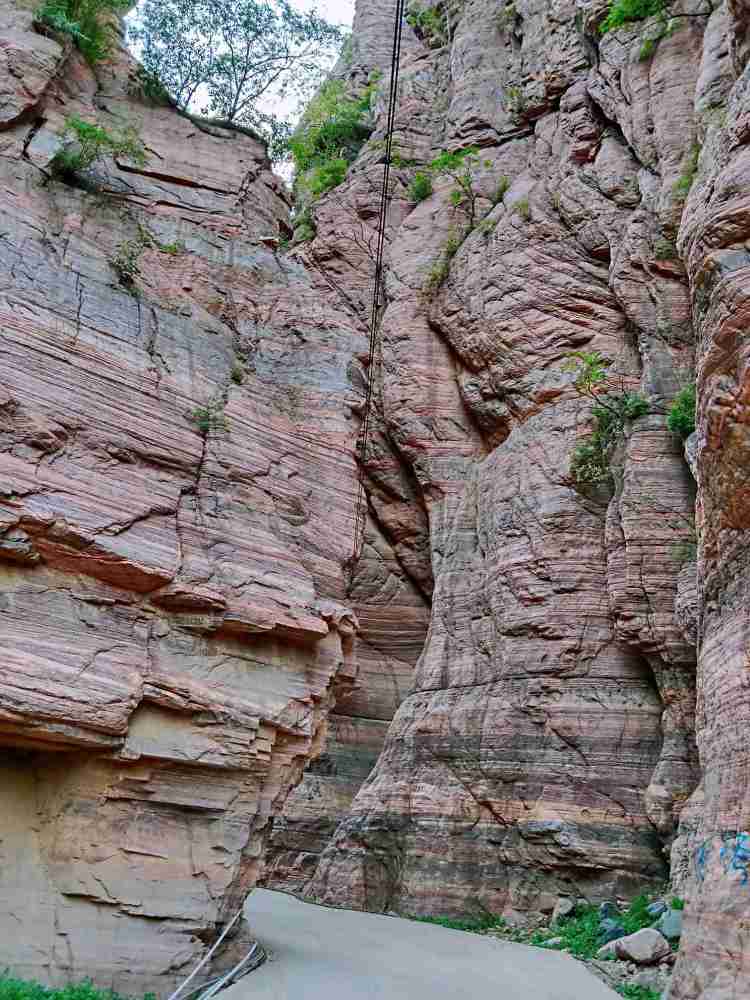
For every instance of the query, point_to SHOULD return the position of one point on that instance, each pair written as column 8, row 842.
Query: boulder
column 565, row 907
column 670, row 924
column 610, row 930
column 645, row 947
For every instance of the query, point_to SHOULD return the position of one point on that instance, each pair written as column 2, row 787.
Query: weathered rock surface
column 548, row 745
column 177, row 491
column 645, row 947
column 177, row 616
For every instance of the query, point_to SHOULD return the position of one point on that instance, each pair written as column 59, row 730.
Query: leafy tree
column 220, row 57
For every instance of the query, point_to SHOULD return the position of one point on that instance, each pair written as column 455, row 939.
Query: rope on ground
column 385, row 198
column 207, row 957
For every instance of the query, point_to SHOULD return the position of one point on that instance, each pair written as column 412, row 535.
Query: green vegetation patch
column 681, row 420
column 89, row 143
column 21, row 989
column 485, row 922
column 89, row 23
column 429, row 23
column 590, row 463
column 421, row 186
column 633, row 992
column 685, row 183
column 334, row 129
column 626, row 11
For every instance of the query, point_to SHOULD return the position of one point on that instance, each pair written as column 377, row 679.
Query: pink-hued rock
column 178, row 602
column 177, row 500
column 548, row 745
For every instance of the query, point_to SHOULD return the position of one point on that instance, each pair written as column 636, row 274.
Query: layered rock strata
column 177, row 496
column 549, row 744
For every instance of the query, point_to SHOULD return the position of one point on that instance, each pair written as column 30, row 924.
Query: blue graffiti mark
column 741, row 857
column 701, row 859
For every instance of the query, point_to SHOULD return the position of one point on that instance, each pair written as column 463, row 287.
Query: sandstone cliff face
column 549, row 742
column 177, row 488
column 178, row 619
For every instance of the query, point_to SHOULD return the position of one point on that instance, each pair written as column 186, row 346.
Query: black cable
column 360, row 511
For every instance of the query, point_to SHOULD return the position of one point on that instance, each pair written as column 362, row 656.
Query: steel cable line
column 378, row 297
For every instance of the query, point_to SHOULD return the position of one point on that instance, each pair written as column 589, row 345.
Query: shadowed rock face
column 177, row 490
column 549, row 741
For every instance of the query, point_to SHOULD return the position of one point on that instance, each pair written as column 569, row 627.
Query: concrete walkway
column 316, row 953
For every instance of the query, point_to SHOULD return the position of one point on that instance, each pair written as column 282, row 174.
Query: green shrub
column 429, row 23
column 685, row 183
column 237, row 373
column 125, row 262
column 332, row 133
column 633, row 992
column 624, row 11
column 91, row 143
column 210, row 418
column 590, row 461
column 580, row 933
column 681, row 417
column 507, row 16
column 636, row 917
column 523, row 208
column 304, row 227
column 421, row 186
column 86, row 22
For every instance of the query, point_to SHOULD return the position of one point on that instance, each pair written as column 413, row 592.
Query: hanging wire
column 378, row 291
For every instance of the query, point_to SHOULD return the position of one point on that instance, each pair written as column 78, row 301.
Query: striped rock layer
column 549, row 741
column 177, row 495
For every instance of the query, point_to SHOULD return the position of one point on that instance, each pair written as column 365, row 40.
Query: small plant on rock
column 89, row 143
column 685, row 183
column 88, row 23
column 421, row 186
column 125, row 263
column 590, row 463
column 210, row 418
column 503, row 186
column 681, row 417
column 522, row 208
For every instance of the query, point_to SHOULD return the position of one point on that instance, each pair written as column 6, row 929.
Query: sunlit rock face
column 177, row 496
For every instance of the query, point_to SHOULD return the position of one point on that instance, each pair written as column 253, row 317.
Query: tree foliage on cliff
column 624, row 11
column 333, row 130
column 221, row 57
column 87, row 22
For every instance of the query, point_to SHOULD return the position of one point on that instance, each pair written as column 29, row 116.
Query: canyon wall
column 181, row 611
column 177, row 497
column 549, row 743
